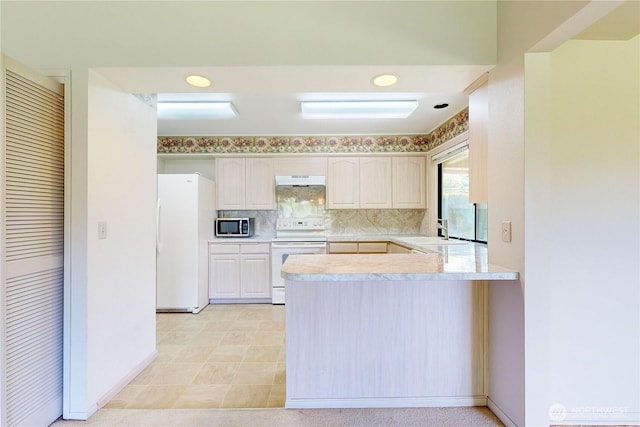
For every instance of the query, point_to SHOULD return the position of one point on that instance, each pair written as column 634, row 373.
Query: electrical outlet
column 102, row 229
column 506, row 231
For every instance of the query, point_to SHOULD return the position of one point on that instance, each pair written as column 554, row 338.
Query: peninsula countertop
column 466, row 261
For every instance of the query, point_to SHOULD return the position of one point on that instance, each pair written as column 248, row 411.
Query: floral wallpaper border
column 315, row 144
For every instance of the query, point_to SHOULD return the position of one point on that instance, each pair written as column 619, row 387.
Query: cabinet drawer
column 343, row 248
column 372, row 247
column 254, row 248
column 398, row 249
column 224, row 248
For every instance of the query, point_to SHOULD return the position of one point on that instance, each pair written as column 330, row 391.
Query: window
column 466, row 220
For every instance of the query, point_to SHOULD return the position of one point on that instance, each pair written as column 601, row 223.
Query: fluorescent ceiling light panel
column 357, row 109
column 196, row 110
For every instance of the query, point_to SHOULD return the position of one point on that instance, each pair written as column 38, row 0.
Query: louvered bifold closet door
column 33, row 248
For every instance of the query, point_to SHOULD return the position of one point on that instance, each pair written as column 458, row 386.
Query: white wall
column 121, row 190
column 505, row 184
column 586, row 170
column 520, row 26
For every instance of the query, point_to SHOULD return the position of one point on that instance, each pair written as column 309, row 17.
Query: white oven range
column 294, row 236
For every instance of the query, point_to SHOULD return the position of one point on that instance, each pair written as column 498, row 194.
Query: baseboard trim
column 387, row 402
column 508, row 422
column 113, row 392
column 240, row 301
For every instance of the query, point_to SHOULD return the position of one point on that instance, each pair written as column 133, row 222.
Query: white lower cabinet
column 239, row 271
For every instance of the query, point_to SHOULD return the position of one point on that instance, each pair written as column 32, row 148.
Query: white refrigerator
column 184, row 220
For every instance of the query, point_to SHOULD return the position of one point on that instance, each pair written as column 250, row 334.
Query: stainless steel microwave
column 235, row 227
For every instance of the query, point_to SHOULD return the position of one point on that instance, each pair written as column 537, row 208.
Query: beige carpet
column 410, row 417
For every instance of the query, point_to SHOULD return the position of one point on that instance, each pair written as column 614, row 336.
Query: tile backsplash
column 300, row 202
column 376, row 221
column 348, row 221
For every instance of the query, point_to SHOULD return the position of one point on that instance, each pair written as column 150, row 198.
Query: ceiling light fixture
column 384, row 80
column 357, row 109
column 198, row 81
column 196, row 110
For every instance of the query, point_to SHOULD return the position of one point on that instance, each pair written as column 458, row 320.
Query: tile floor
column 226, row 356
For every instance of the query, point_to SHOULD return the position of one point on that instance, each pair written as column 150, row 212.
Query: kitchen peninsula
column 388, row 330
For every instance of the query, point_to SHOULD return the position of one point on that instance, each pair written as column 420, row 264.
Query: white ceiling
column 267, row 56
column 267, row 98
column 239, row 44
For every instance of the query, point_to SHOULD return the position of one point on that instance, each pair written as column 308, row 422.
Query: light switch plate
column 506, row 231
column 102, row 229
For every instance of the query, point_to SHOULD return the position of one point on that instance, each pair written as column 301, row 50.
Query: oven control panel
column 295, row 224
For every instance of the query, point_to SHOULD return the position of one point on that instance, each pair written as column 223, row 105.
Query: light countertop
column 252, row 239
column 436, row 259
column 463, row 261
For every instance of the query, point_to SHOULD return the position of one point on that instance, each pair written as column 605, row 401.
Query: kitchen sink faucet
column 443, row 224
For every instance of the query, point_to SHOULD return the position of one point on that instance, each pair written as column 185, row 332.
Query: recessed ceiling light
column 357, row 109
column 196, row 110
column 384, row 80
column 441, row 106
column 198, row 81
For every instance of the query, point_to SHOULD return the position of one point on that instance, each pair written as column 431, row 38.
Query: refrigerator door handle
column 158, row 216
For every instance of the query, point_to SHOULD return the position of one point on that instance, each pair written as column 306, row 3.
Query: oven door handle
column 298, row 246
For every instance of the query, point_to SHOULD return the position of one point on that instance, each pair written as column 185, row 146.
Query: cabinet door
column 409, row 183
column 478, row 144
column 230, row 183
column 255, row 281
column 342, row 248
column 224, row 276
column 260, row 192
column 375, row 183
column 343, row 179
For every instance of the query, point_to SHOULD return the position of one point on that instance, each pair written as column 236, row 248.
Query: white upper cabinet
column 230, row 182
column 478, row 143
column 375, row 183
column 409, row 182
column 245, row 183
column 343, row 183
column 260, row 184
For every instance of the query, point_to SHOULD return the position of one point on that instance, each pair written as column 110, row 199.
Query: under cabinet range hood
column 300, row 181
